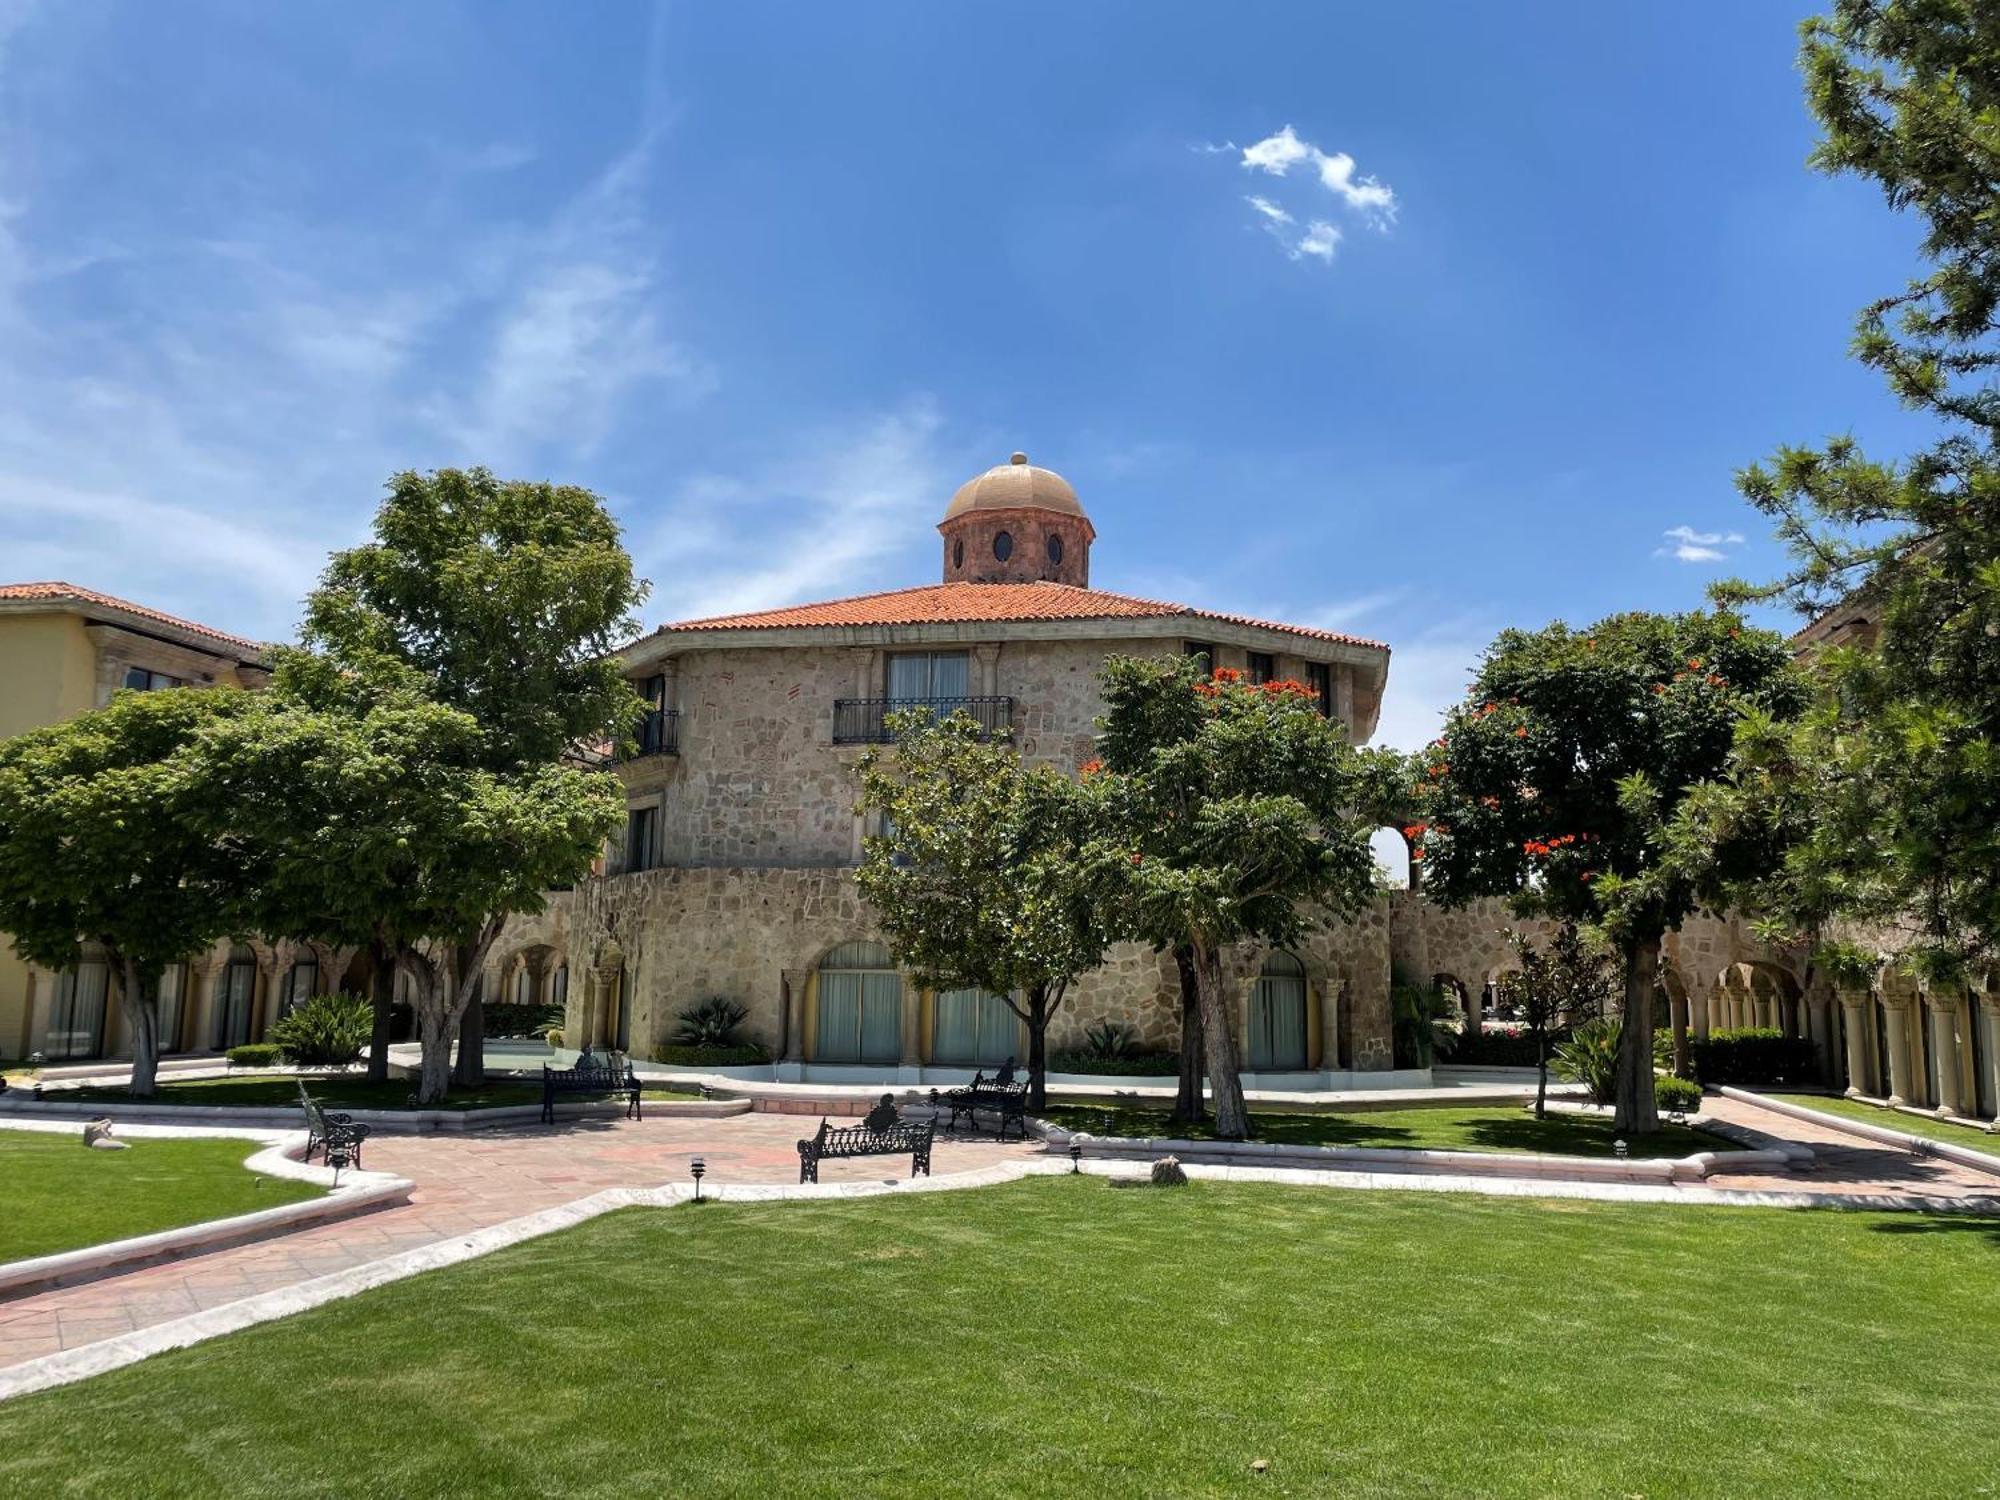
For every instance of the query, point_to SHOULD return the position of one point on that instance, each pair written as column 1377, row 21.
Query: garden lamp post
column 698, row 1167
column 1075, row 1158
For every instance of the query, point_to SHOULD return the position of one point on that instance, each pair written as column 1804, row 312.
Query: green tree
column 106, row 838
column 380, row 822
column 1221, row 813
column 1556, row 780
column 975, row 879
column 1887, row 795
column 502, row 598
column 1565, row 983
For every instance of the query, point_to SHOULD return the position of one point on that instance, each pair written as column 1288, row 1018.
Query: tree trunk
column 1225, row 1075
column 1189, row 1109
column 383, row 993
column 1038, row 1047
column 434, row 1042
column 1542, row 1071
column 142, row 1013
column 470, row 1070
column 1637, row 1113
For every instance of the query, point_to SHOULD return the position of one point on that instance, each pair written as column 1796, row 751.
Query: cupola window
column 1003, row 545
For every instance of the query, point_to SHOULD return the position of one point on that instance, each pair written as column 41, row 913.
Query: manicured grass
column 1975, row 1136
column 1057, row 1337
column 55, row 1194
column 342, row 1091
column 1482, row 1128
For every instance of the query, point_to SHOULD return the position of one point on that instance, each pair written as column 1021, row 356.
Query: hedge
column 255, row 1055
column 711, row 1057
column 1131, row 1065
column 1753, row 1054
column 1506, row 1047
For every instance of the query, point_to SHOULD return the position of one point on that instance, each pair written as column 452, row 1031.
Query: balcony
column 659, row 733
column 859, row 721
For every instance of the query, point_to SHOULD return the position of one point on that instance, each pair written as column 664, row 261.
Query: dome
column 1015, row 485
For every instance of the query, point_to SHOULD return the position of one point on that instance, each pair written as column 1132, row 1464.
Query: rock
column 1167, row 1172
column 1260, row 1465
column 97, row 1136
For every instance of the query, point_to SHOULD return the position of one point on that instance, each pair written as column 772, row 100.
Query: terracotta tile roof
column 69, row 593
column 953, row 603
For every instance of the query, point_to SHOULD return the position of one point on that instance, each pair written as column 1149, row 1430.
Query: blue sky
column 1415, row 321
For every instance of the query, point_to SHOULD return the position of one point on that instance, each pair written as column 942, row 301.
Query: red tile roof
column 69, row 593
column 953, row 603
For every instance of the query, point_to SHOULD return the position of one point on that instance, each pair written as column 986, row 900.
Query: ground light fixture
column 1075, row 1158
column 698, row 1167
column 1620, row 1147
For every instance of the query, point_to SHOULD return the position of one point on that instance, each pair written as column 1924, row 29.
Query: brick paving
column 1846, row 1163
column 463, row 1183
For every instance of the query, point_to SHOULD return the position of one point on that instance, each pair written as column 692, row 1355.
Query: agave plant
column 713, row 1023
column 1108, row 1040
column 1590, row 1057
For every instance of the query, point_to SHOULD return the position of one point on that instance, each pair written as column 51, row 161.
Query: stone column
column 986, row 678
column 910, row 1063
column 1989, row 1013
column 1698, row 1004
column 1898, row 1001
column 1943, row 1009
column 1854, row 1015
column 792, row 1015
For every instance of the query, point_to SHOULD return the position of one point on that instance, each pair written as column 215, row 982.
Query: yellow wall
column 48, row 671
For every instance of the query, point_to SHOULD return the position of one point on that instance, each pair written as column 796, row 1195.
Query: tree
column 1556, row 780
column 1224, row 812
column 975, row 878
column 1563, row 984
column 502, row 598
column 1888, row 792
column 106, row 838
column 377, row 820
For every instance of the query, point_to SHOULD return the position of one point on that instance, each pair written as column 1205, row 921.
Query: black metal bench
column 334, row 1135
column 882, row 1132
column 999, row 1095
column 593, row 1077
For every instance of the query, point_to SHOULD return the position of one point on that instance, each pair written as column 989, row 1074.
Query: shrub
column 1501, row 1047
column 1423, row 1029
column 713, row 1023
column 327, row 1031
column 1129, row 1065
column 1677, row 1094
column 1590, row 1057
column 1109, row 1040
column 1753, row 1054
column 254, row 1055
column 521, row 1020
column 554, row 1036
column 681, row 1055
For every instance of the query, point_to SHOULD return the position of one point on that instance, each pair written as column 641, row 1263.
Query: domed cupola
column 1017, row 524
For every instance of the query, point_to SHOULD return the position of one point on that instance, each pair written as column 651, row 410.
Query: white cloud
column 1268, row 209
column 1278, row 154
column 1318, row 241
column 1693, row 546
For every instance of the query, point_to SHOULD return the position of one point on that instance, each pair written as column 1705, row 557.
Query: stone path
column 464, row 1183
column 1847, row 1163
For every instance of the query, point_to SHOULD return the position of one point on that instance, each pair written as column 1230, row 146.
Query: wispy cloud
column 1278, row 155
column 1691, row 546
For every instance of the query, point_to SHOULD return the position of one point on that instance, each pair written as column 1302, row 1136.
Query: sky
column 1413, row 321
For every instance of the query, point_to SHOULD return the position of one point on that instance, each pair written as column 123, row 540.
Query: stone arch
column 1466, row 998
column 854, row 1010
column 1394, row 858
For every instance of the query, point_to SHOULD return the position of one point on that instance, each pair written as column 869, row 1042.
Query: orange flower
column 1694, row 663
column 1521, row 733
column 1091, row 767
column 1659, row 687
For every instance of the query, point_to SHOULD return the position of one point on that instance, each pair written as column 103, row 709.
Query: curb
column 1882, row 1135
column 387, row 1121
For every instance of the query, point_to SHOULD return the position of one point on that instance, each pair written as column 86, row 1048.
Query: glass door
column 76, row 1020
column 235, row 991
column 1278, row 1017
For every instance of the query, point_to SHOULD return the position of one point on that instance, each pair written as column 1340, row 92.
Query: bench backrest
column 315, row 1112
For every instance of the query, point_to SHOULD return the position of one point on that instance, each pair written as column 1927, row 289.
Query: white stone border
column 1881, row 1135
column 356, row 1192
column 71, row 1365
column 50, row 1106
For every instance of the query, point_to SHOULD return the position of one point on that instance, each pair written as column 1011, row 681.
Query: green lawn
column 1482, row 1128
column 1057, row 1337
column 57, row 1195
column 1975, row 1136
column 342, row 1091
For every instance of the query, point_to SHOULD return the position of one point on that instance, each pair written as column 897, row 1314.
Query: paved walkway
column 464, row 1183
column 472, row 1182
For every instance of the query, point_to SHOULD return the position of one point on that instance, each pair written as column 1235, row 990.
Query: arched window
column 975, row 1028
column 859, row 1013
column 1278, row 1017
column 76, row 1019
column 1392, row 857
column 235, row 993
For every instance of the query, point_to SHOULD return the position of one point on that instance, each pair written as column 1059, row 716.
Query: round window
column 958, row 553
column 1003, row 546
column 1055, row 548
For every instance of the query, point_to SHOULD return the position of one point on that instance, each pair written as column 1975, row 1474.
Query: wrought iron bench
column 999, row 1095
column 334, row 1135
column 593, row 1077
column 882, row 1132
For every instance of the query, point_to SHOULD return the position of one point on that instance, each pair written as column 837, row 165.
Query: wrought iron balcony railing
column 859, row 721
column 659, row 733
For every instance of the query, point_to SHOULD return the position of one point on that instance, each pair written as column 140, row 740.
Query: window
column 974, row 1027
column 1003, row 545
column 1278, row 1016
column 930, row 674
column 1054, row 546
column 140, row 680
column 858, row 1016
column 642, row 838
column 1319, row 677
column 559, row 988
column 76, row 1019
column 1263, row 666
column 235, row 993
column 173, row 981
column 1205, row 650
column 300, row 984
column 958, row 553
